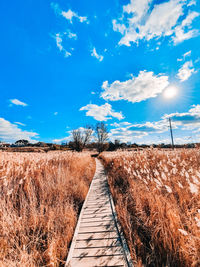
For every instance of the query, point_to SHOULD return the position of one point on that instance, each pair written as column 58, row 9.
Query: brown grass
column 157, row 197
column 40, row 199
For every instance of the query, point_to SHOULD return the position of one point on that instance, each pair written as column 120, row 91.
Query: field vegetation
column 40, row 198
column 157, row 198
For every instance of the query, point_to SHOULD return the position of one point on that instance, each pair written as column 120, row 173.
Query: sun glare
column 170, row 92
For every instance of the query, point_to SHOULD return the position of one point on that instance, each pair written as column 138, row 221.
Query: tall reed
column 40, row 198
column 157, row 197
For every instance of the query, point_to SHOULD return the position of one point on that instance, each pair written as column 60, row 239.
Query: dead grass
column 157, row 197
column 40, row 199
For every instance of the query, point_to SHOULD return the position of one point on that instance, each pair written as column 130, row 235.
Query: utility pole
column 170, row 126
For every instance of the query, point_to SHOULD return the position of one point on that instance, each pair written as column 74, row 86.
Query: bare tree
column 102, row 136
column 81, row 137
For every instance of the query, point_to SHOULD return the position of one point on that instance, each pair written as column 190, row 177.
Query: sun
column 170, row 92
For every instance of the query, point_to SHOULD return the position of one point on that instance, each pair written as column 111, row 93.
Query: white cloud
column 94, row 54
column 128, row 132
column 10, row 132
column 142, row 19
column 186, row 71
column 56, row 113
column 20, row 123
column 145, row 85
column 125, row 135
column 102, row 113
column 192, row 3
column 62, row 140
column 59, row 40
column 179, row 59
column 187, row 54
column 181, row 34
column 150, row 127
column 124, row 123
column 118, row 27
column 71, row 35
column 18, row 102
column 190, row 119
column 131, row 132
column 69, row 15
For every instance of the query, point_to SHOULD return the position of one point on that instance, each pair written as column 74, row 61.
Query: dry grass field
column 40, row 197
column 157, row 197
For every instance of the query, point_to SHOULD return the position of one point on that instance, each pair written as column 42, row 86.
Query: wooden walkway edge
column 98, row 239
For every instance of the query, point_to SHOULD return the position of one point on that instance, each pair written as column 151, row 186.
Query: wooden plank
column 99, row 261
column 98, row 209
column 98, row 243
column 96, row 216
column 96, row 223
column 93, row 207
column 98, row 251
column 102, row 228
column 96, row 235
column 97, row 212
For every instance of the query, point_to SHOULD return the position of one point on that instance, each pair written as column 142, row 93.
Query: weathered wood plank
column 97, row 261
column 98, row 251
column 97, row 235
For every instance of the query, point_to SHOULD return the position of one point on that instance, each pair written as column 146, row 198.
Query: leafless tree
column 102, row 136
column 81, row 137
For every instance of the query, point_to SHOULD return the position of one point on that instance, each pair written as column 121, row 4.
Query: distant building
column 40, row 144
column 2, row 144
column 22, row 143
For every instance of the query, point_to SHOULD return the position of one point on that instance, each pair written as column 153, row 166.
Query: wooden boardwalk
column 98, row 239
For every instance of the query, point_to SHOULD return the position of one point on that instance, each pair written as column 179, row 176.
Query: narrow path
column 98, row 239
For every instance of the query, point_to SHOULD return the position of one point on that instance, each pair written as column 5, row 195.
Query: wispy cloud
column 101, row 113
column 71, row 35
column 18, row 102
column 96, row 55
column 145, row 85
column 20, row 123
column 59, row 40
column 142, row 19
column 186, row 54
column 10, row 132
column 55, row 113
column 69, row 15
column 186, row 71
column 192, row 3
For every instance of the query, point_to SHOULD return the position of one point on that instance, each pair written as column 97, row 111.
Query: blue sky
column 132, row 64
